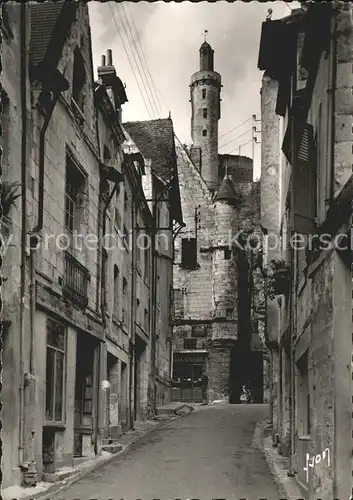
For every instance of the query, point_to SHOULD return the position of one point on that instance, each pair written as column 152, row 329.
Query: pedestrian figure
column 244, row 395
column 204, row 385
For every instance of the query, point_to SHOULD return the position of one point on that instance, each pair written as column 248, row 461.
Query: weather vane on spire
column 205, row 34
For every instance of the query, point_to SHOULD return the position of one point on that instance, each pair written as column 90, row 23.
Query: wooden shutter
column 189, row 253
column 304, row 182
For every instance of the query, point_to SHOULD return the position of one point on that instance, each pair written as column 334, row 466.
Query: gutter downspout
column 132, row 316
column 154, row 303
column 23, row 36
column 333, row 103
column 292, row 329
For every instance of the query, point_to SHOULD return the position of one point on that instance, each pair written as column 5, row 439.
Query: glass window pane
column 59, row 386
column 49, row 388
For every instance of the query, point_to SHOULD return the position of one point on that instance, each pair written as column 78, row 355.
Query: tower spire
column 205, row 35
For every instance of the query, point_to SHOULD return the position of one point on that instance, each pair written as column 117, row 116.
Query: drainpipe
column 23, row 37
column 292, row 326
column 154, row 274
column 102, row 286
column 333, row 103
column 132, row 350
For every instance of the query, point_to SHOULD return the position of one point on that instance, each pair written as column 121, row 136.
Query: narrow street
column 206, row 455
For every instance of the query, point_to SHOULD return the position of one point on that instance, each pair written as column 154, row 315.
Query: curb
column 100, row 461
column 288, row 488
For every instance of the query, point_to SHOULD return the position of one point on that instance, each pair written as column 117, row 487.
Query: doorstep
column 65, row 476
column 278, row 465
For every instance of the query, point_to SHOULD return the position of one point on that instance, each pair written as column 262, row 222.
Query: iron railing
column 76, row 280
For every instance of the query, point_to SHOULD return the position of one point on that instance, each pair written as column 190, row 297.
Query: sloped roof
column 155, row 140
column 226, row 191
column 50, row 24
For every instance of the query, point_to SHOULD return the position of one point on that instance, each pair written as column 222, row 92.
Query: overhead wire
column 135, row 49
column 153, row 92
column 145, row 60
column 128, row 57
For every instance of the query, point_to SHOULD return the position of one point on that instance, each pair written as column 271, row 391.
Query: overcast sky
column 168, row 36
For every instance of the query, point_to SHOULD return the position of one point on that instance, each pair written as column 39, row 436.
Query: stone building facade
column 306, row 205
column 155, row 140
column 216, row 329
column 79, row 343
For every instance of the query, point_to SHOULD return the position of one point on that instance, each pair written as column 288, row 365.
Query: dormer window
column 79, row 78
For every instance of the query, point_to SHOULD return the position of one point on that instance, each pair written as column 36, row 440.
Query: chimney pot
column 109, row 58
column 103, row 61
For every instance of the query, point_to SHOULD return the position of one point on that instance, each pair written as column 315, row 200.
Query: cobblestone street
column 205, row 455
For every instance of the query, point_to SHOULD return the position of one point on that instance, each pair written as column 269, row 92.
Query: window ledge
column 55, row 425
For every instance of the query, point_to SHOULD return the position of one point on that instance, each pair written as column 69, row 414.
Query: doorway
column 85, row 396
column 187, row 382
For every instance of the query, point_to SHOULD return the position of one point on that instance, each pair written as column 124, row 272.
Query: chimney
column 106, row 72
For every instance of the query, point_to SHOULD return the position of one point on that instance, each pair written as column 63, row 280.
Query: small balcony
column 76, row 280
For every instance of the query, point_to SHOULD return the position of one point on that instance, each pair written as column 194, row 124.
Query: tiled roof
column 50, row 24
column 155, row 140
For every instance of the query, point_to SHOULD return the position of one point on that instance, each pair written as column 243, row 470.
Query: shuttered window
column 304, row 171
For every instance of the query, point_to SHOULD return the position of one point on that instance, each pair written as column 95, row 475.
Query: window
column 126, row 235
column 203, row 93
column 138, row 311
column 147, row 263
column 116, row 289
column 199, row 331
column 125, row 302
column 138, row 249
column 204, row 112
column 105, row 191
column 229, row 312
column 106, row 154
column 117, row 220
column 178, row 303
column 304, row 176
column 190, row 343
column 189, row 253
column 104, row 277
column 204, row 132
column 146, row 319
column 74, row 195
column 79, row 78
column 227, row 253
column 54, row 388
column 126, row 202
